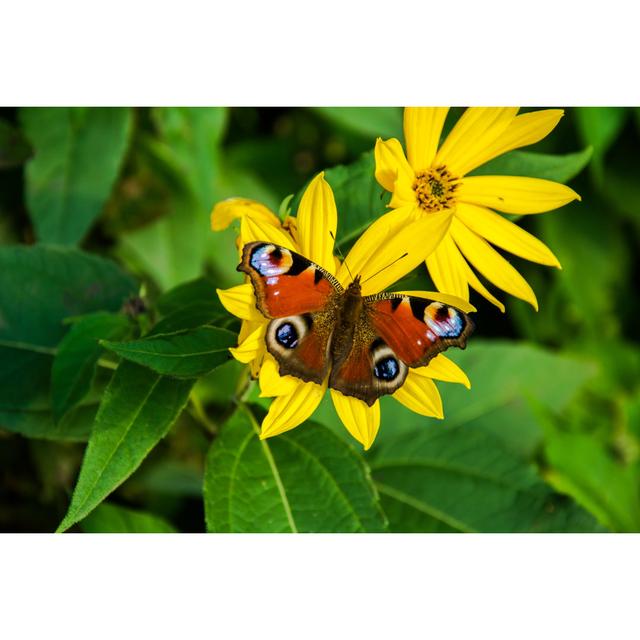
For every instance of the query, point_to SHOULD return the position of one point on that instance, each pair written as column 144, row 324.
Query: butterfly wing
column 300, row 298
column 417, row 329
column 394, row 333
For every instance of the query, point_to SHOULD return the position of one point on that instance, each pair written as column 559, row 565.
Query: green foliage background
column 120, row 408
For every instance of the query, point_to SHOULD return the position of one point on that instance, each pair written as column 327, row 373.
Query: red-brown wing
column 369, row 369
column 300, row 344
column 286, row 283
column 415, row 328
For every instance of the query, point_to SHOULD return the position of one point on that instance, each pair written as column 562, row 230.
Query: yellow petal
column 316, row 222
column 422, row 129
column 446, row 269
column 374, row 237
column 400, row 253
column 291, row 409
column 441, row 368
column 522, row 131
column 252, row 230
column 271, row 382
column 475, row 283
column 491, row 264
column 513, row 194
column 240, row 301
column 361, row 420
column 231, row 209
column 403, row 193
column 391, row 162
column 421, row 395
column 252, row 346
column 477, row 128
column 445, row 298
column 504, row 234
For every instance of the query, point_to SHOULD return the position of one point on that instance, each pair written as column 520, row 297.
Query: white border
column 322, row 586
column 331, row 52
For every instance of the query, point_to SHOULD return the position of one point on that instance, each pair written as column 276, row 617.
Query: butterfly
column 365, row 344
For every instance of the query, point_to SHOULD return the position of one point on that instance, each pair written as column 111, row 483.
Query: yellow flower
column 311, row 234
column 430, row 180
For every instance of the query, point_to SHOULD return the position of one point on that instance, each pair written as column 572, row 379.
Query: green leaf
column 189, row 305
column 559, row 168
column 14, row 149
column 582, row 468
column 111, row 518
column 138, row 408
column 78, row 154
column 466, row 480
column 192, row 316
column 174, row 248
column 186, row 293
column 39, row 287
column 505, row 378
column 78, row 352
column 38, row 423
column 306, row 480
column 189, row 142
column 187, row 354
column 370, row 122
column 595, row 256
column 599, row 127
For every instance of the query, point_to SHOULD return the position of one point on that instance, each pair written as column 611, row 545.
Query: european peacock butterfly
column 364, row 343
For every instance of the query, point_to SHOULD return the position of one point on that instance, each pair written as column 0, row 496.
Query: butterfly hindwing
column 369, row 369
column 300, row 298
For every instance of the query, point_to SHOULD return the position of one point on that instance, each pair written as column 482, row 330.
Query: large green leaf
column 370, row 122
column 39, row 287
column 77, row 355
column 137, row 411
column 468, row 481
column 78, row 154
column 559, row 168
column 186, row 354
column 111, row 518
column 583, row 468
column 505, row 378
column 306, row 480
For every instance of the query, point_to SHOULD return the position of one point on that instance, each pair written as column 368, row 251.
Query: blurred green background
column 557, row 391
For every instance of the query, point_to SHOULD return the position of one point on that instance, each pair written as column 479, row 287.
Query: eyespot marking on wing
column 443, row 321
column 269, row 260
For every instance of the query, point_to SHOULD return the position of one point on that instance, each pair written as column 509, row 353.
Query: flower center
column 435, row 189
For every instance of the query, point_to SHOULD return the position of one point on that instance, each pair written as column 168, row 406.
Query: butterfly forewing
column 300, row 299
column 417, row 329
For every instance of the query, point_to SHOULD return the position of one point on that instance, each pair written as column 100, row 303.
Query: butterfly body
column 365, row 344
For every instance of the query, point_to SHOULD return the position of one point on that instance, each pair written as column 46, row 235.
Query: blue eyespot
column 287, row 336
column 386, row 369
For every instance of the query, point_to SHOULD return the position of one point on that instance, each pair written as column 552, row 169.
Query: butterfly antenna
column 344, row 260
column 404, row 255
